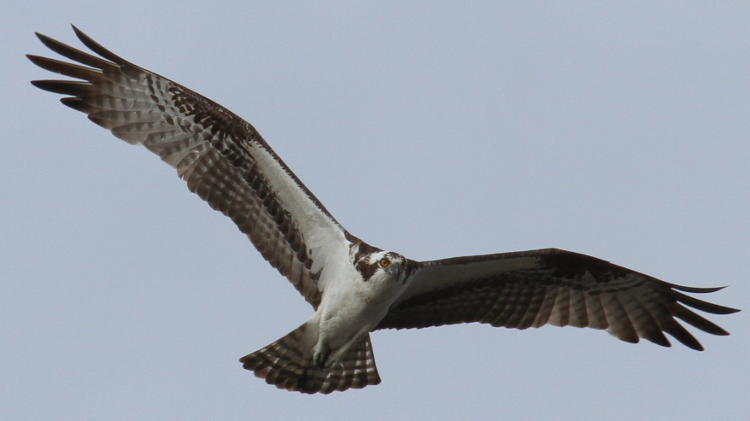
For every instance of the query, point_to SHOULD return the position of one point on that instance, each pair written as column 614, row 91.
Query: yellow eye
column 384, row 262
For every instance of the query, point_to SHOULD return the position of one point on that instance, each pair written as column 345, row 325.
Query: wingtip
column 36, row 59
column 694, row 344
column 732, row 310
column 98, row 48
column 80, row 34
column 696, row 290
column 76, row 103
column 48, row 41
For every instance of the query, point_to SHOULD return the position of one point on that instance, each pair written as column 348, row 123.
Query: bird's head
column 383, row 265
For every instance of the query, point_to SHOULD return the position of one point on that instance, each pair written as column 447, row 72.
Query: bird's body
column 353, row 287
column 351, row 306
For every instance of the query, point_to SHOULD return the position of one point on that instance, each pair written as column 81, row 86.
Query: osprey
column 354, row 288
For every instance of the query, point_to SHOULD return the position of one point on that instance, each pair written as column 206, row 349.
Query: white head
column 381, row 266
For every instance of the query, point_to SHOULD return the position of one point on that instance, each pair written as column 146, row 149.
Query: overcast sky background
column 433, row 129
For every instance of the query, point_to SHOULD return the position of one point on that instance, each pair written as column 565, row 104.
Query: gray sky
column 428, row 128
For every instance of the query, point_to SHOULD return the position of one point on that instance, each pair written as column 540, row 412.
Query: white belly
column 350, row 308
column 349, row 312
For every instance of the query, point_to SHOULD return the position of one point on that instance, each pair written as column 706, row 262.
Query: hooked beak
column 398, row 271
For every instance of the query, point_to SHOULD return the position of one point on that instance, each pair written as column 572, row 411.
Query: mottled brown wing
column 550, row 286
column 222, row 158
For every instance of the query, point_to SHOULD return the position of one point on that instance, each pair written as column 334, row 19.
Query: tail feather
column 287, row 364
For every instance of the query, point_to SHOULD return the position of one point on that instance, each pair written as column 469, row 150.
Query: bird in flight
column 354, row 288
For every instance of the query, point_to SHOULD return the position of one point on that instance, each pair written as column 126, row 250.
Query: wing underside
column 223, row 159
column 534, row 288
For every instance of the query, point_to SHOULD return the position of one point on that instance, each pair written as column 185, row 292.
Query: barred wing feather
column 551, row 286
column 223, row 159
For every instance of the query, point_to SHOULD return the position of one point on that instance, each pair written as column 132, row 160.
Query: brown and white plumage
column 354, row 288
column 285, row 363
column 538, row 287
column 213, row 150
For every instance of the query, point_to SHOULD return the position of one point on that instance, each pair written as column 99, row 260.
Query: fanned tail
column 287, row 364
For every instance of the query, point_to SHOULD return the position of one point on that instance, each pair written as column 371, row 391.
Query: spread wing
column 222, row 158
column 550, row 286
